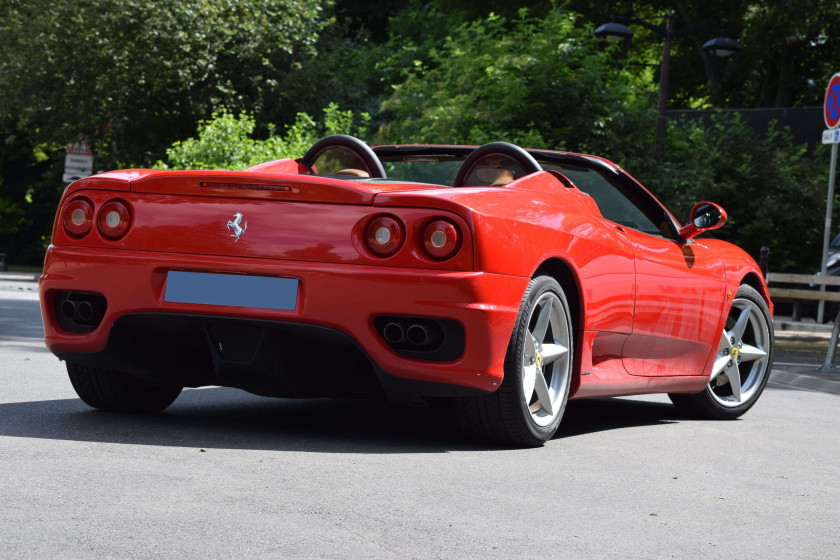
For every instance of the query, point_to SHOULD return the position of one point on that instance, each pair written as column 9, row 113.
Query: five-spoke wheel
column 528, row 407
column 545, row 361
column 742, row 364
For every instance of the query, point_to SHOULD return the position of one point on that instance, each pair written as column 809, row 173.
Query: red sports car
column 508, row 280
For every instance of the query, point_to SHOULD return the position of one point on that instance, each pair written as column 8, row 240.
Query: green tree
column 134, row 75
column 539, row 83
column 11, row 216
column 532, row 81
column 790, row 47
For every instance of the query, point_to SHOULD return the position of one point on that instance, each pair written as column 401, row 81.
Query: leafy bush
column 225, row 142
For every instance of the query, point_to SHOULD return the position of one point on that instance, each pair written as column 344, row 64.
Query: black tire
column 117, row 392
column 506, row 417
column 716, row 401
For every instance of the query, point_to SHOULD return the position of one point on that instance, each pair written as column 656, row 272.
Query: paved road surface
column 225, row 474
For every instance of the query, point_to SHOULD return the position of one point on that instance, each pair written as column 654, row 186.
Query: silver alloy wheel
column 742, row 357
column 546, row 367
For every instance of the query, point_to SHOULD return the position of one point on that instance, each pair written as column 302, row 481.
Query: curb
column 816, row 381
column 19, row 276
column 783, row 325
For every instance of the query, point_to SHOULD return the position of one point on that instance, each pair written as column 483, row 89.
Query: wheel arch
column 740, row 268
column 755, row 281
column 564, row 274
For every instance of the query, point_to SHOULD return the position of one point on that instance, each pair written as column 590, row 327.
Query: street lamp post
column 664, row 75
column 719, row 48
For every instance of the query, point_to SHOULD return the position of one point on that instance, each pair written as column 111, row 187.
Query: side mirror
column 705, row 216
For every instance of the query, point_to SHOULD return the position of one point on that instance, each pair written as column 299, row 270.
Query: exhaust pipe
column 79, row 312
column 394, row 333
column 85, row 310
column 433, row 339
column 68, row 309
column 418, row 335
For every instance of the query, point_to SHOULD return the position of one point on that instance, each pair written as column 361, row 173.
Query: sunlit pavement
column 223, row 474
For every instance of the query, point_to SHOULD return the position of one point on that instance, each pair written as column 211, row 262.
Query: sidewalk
column 19, row 285
column 801, row 348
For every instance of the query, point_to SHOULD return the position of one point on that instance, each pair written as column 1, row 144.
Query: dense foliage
column 542, row 85
column 226, row 141
column 527, row 81
column 225, row 84
column 134, row 75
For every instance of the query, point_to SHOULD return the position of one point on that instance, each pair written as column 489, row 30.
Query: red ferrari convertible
column 504, row 279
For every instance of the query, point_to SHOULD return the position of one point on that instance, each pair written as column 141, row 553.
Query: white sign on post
column 78, row 163
column 831, row 136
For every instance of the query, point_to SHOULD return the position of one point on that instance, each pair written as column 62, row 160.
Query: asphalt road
column 225, row 474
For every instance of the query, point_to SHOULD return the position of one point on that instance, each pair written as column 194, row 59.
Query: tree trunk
column 787, row 72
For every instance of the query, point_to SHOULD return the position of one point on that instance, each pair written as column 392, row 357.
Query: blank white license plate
column 234, row 290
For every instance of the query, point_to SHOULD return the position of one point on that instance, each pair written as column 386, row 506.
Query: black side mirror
column 705, row 216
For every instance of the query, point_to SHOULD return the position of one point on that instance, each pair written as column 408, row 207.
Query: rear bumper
column 342, row 299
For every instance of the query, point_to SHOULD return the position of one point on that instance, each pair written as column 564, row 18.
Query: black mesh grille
column 236, row 342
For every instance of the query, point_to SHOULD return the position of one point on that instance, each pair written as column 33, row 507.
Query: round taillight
column 385, row 236
column 441, row 239
column 78, row 217
column 113, row 219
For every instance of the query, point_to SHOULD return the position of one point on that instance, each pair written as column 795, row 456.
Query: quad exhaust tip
column 394, row 333
column 79, row 312
column 418, row 335
column 414, row 334
column 434, row 339
column 82, row 311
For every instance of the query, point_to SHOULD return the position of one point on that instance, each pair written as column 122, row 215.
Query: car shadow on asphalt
column 588, row 416
column 223, row 418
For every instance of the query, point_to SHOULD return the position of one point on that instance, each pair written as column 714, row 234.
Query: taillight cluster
column 112, row 219
column 78, row 217
column 439, row 239
column 385, row 235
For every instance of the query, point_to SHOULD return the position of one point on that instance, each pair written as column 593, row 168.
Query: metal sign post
column 827, row 235
column 831, row 114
